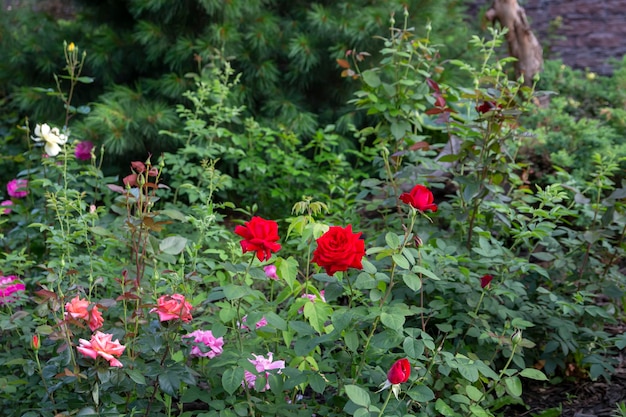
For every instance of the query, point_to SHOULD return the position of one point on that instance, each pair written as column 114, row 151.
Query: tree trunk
column 523, row 44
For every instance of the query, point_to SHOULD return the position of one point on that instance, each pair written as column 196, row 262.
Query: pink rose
column 18, row 188
column 262, row 365
column 172, row 307
column 9, row 286
column 258, row 325
column 206, row 344
column 270, row 272
column 78, row 308
column 102, row 345
column 6, row 203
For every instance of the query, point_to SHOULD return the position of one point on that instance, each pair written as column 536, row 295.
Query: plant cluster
column 434, row 286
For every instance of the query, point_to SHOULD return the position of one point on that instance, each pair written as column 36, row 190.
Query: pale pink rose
column 6, row 203
column 212, row 345
column 172, row 307
column 262, row 365
column 270, row 272
column 9, row 286
column 78, row 308
column 258, row 325
column 17, row 188
column 102, row 345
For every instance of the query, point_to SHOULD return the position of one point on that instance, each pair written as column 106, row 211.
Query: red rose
column 339, row 249
column 399, row 372
column 419, row 197
column 259, row 235
column 485, row 280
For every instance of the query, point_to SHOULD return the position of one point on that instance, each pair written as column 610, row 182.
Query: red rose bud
column 36, row 344
column 485, row 280
column 420, row 198
column 399, row 372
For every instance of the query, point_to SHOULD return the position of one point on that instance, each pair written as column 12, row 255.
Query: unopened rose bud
column 517, row 337
column 35, row 343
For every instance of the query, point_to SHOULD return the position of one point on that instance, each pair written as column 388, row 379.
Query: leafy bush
column 434, row 286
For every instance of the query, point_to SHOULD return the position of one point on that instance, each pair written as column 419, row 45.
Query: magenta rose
column 83, row 150
column 17, row 188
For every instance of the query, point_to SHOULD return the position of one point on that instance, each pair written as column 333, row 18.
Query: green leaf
column 468, row 372
column 371, row 78
column 173, row 245
column 136, row 376
column 317, row 383
column 287, row 269
column 85, row 80
column 358, row 395
column 474, row 393
column 533, row 374
column 418, row 269
column 444, row 408
column 421, row 394
column 232, row 378
column 513, row 386
column 400, row 261
column 478, row 411
column 317, row 313
column 392, row 240
column 392, row 321
column 351, row 340
column 412, row 281
column 234, row 292
column 169, row 382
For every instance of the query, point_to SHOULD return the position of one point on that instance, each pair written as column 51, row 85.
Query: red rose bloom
column 421, row 198
column 485, row 280
column 399, row 372
column 259, row 235
column 339, row 249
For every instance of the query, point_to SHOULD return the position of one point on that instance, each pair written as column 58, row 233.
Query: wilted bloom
column 52, row 138
column 206, row 344
column 18, row 188
column 172, row 307
column 83, row 150
column 270, row 272
column 262, row 365
column 339, row 249
column 102, row 345
column 6, row 203
column 9, row 286
column 78, row 308
column 258, row 325
column 260, row 236
column 485, row 280
column 420, row 198
column 487, row 106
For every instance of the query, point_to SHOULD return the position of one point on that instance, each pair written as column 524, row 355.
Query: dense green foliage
column 494, row 282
